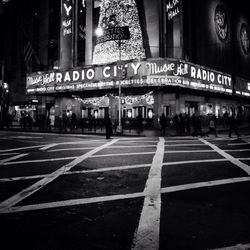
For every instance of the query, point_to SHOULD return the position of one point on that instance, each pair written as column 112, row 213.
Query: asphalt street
column 86, row 192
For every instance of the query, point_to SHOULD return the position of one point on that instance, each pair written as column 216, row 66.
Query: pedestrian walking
column 187, row 124
column 139, row 123
column 177, row 124
column 232, row 126
column 163, row 124
column 199, row 126
column 73, row 121
column 212, row 126
column 108, row 127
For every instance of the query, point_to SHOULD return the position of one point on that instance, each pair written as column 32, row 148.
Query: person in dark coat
column 108, row 127
column 73, row 121
column 199, row 126
column 212, row 126
column 163, row 124
column 139, row 123
column 232, row 126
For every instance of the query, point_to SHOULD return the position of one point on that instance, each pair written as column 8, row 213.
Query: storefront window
column 129, row 113
column 95, row 113
column 209, row 109
column 150, row 113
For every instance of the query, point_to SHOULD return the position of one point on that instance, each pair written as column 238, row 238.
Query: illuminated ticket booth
column 93, row 112
column 135, row 105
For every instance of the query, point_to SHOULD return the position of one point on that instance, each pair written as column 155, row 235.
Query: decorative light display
column 127, row 100
column 119, row 13
column 244, row 38
column 94, row 101
column 221, row 22
column 137, row 99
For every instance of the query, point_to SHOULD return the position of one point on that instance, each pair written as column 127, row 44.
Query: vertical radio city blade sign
column 66, row 34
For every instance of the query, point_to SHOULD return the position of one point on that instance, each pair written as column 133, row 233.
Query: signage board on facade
column 114, row 33
column 151, row 72
column 172, row 8
column 242, row 87
column 66, row 33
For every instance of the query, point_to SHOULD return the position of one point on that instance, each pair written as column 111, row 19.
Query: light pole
column 2, row 95
column 116, row 34
column 119, row 127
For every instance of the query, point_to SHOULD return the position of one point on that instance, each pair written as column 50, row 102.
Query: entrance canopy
column 146, row 73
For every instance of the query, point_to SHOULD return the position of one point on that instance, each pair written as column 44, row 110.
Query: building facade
column 174, row 57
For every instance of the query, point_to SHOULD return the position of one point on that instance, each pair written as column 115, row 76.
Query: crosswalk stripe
column 12, row 158
column 5, row 205
column 235, row 161
column 148, row 232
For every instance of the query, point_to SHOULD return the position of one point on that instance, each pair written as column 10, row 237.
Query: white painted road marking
column 12, row 158
column 48, row 146
column 39, row 160
column 204, row 184
column 235, row 161
column 69, row 149
column 237, row 247
column 73, row 202
column 16, row 149
column 77, row 172
column 148, row 232
column 5, row 205
column 91, row 200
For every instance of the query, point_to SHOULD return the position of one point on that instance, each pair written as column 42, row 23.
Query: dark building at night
column 177, row 56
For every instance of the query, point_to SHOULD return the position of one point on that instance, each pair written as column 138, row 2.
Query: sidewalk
column 243, row 130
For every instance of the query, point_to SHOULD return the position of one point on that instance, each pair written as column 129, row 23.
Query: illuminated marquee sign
column 114, row 33
column 244, row 38
column 242, row 87
column 162, row 72
column 173, row 8
column 221, row 22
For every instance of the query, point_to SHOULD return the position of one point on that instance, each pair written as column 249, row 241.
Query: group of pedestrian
column 186, row 125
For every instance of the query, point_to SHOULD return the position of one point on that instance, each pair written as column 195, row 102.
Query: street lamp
column 4, row 87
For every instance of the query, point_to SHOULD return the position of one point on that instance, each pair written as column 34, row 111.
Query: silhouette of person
column 163, row 123
column 108, row 127
column 232, row 126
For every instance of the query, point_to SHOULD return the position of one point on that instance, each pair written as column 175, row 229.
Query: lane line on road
column 238, row 144
column 194, row 161
column 39, row 160
column 6, row 154
column 235, row 161
column 236, row 247
column 2, row 162
column 69, row 149
column 22, row 148
column 91, row 200
column 189, row 151
column 184, row 145
column 204, row 184
column 134, row 146
column 148, row 232
column 123, row 154
column 104, row 155
column 49, row 146
column 5, row 205
column 244, row 159
column 118, row 168
column 236, row 150
column 73, row 202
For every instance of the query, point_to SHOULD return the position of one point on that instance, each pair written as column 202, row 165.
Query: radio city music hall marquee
column 160, row 72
